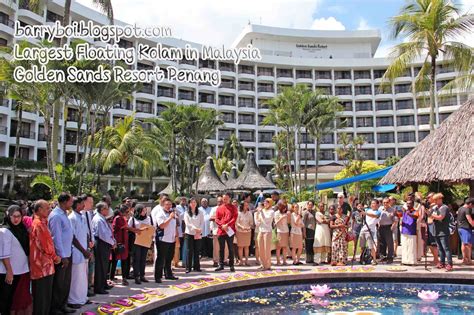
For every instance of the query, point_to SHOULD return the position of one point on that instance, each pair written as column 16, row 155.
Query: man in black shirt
column 441, row 217
column 465, row 228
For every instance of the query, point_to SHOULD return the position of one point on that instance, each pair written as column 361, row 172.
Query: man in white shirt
column 213, row 229
column 206, row 249
column 368, row 233
column 181, row 209
column 80, row 256
column 165, row 241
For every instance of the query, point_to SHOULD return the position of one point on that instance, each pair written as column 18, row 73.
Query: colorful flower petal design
column 125, row 303
column 140, row 298
column 109, row 309
column 253, row 274
column 210, row 280
column 155, row 293
column 323, row 269
column 224, row 278
column 240, row 276
column 183, row 286
column 198, row 283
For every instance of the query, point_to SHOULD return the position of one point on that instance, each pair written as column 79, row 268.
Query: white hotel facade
column 340, row 62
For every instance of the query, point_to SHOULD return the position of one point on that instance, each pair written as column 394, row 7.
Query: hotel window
column 423, row 119
column 404, row 104
column 416, row 70
column 383, row 105
column 125, row 43
column 160, row 108
column 144, row 107
column 441, row 84
column 265, row 87
column 3, row 42
column 304, row 74
column 447, row 101
column 72, row 114
column 24, row 153
column 363, row 106
column 307, row 154
column 206, row 98
column 25, row 131
column 246, row 102
column 224, row 66
column 406, row 137
column 403, row 88
column 443, row 116
column 362, row 74
column 403, row 151
column 340, row 75
column 185, row 61
column 444, row 68
column 211, row 64
column 246, row 135
column 53, row 17
column 246, row 86
column 306, row 138
column 327, row 139
column 422, row 134
column 246, row 69
column 423, row 102
column 343, row 90
column 368, row 154
column 263, row 103
column 248, row 119
column 165, row 91
column 266, row 137
column 384, row 121
column 323, row 75
column 226, row 100
column 365, row 121
column 345, row 122
column 368, row 137
column 347, row 106
column 147, row 88
column 463, row 98
column 186, row 95
column 225, row 134
column 405, row 120
column 386, row 137
column 227, row 83
column 260, row 120
column 385, row 153
column 284, row 73
column 265, row 71
column 71, row 137
column 326, row 155
column 123, row 104
column 41, row 156
column 265, row 154
column 324, row 89
column 385, row 89
column 379, row 73
column 350, row 136
column 363, row 90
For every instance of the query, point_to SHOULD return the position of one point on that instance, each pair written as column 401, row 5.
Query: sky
column 219, row 22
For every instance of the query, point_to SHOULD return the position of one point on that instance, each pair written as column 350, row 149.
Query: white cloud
column 329, row 23
column 214, row 22
column 363, row 25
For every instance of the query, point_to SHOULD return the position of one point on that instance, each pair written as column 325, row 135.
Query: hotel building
column 341, row 63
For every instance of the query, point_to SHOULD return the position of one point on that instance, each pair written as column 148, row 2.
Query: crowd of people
column 53, row 256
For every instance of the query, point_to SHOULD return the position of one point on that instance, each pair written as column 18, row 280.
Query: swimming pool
column 384, row 298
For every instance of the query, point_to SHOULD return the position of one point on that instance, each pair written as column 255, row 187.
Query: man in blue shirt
column 104, row 243
column 62, row 234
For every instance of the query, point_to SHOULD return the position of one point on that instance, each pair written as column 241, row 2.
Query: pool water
column 384, row 298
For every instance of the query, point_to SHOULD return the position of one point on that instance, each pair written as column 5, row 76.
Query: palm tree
column 127, row 148
column 320, row 120
column 233, row 150
column 222, row 164
column 430, row 28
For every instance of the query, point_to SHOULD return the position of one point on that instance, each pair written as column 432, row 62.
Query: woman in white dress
column 322, row 236
column 264, row 220
column 296, row 236
column 243, row 226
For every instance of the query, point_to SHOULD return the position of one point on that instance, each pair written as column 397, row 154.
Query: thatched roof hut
column 209, row 181
column 233, row 175
column 169, row 188
column 445, row 155
column 250, row 178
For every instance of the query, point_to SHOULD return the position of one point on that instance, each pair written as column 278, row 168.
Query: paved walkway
column 408, row 273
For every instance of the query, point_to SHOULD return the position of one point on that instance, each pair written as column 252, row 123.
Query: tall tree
column 233, row 150
column 322, row 111
column 431, row 29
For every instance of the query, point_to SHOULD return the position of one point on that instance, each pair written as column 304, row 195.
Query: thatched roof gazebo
column 250, row 178
column 209, row 181
column 233, row 175
column 224, row 177
column 446, row 155
column 168, row 190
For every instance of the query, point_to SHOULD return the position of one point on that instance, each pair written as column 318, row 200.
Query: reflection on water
column 353, row 298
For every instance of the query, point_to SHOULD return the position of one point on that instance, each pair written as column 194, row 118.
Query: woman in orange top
column 42, row 259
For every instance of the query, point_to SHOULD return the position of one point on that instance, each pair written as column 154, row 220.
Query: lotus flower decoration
column 320, row 290
column 428, row 296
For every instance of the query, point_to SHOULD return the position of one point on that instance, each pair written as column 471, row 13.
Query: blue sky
column 218, row 22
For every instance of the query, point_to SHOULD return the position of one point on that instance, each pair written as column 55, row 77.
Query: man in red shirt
column 42, row 259
column 226, row 215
